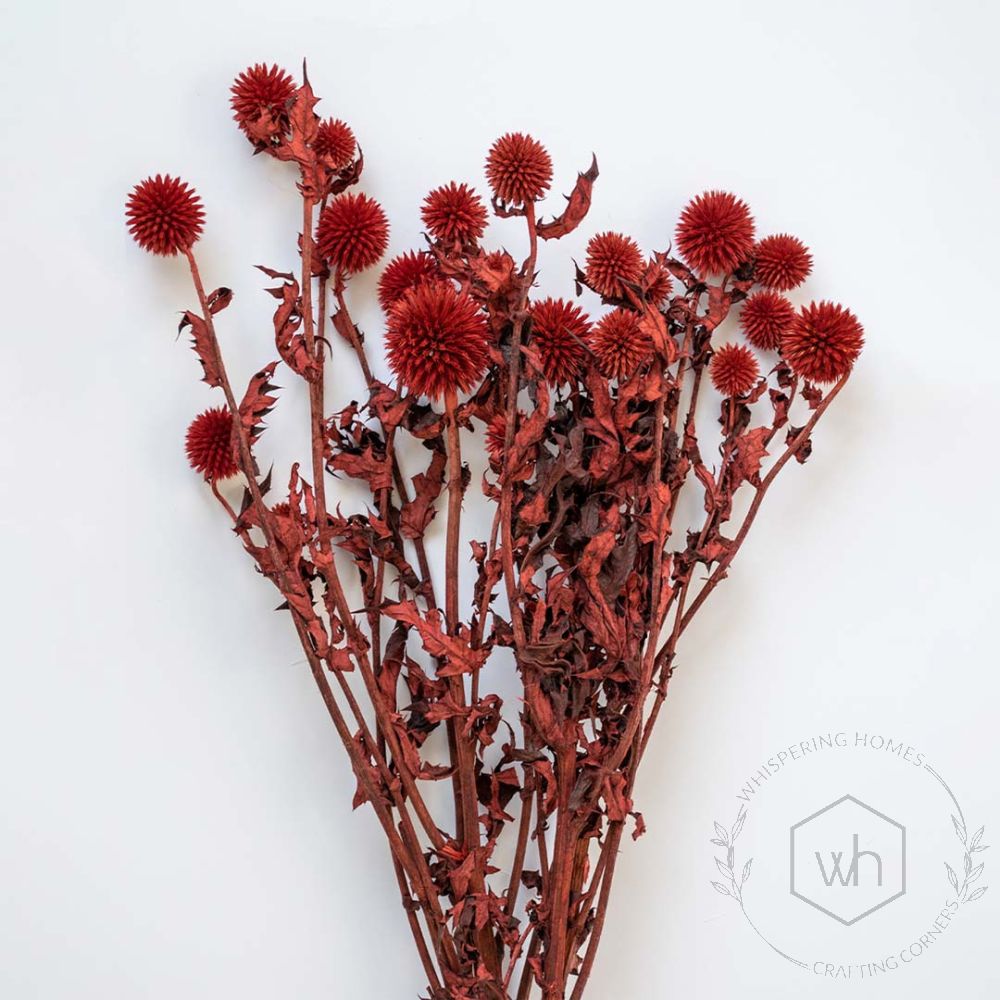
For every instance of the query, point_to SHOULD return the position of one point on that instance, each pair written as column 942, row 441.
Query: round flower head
column 619, row 344
column 824, row 342
column 454, row 213
column 260, row 96
column 209, row 444
column 559, row 332
column 611, row 259
column 766, row 318
column 783, row 262
column 715, row 232
column 436, row 340
column 496, row 438
column 658, row 283
column 734, row 370
column 403, row 273
column 164, row 215
column 353, row 233
column 518, row 168
column 335, row 143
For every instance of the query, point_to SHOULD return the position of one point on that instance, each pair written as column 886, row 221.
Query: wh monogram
column 851, row 876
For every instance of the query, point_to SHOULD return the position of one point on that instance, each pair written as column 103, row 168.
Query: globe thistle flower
column 454, row 213
column 612, row 259
column 164, row 215
column 260, row 96
column 715, row 232
column 658, row 283
column 403, row 273
column 353, row 233
column 518, row 168
column 335, row 143
column 619, row 344
column 209, row 445
column 783, row 262
column 823, row 343
column 766, row 317
column 436, row 340
column 559, row 332
column 734, row 370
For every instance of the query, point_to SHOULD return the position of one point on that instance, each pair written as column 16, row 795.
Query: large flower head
column 403, row 273
column 436, row 340
column 734, row 370
column 619, row 344
column 715, row 232
column 454, row 213
column 824, row 342
column 335, row 143
column 518, row 168
column 782, row 262
column 353, row 233
column 209, row 444
column 164, row 215
column 559, row 333
column 260, row 96
column 766, row 318
column 612, row 259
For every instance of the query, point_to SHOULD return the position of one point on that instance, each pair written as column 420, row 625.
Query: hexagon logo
column 848, row 860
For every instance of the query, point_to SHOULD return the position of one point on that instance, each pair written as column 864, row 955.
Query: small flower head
column 612, row 259
column 657, row 283
column 353, row 233
column 715, row 232
column 766, row 318
column 824, row 342
column 619, row 344
column 436, row 340
column 454, row 213
column 559, row 332
column 164, row 215
column 518, row 168
column 496, row 438
column 734, row 370
column 403, row 273
column 209, row 444
column 335, row 143
column 783, row 262
column 260, row 96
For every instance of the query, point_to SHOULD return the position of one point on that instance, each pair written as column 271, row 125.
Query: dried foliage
column 594, row 432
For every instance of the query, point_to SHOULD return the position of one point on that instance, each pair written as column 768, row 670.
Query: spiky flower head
column 335, row 143
column 353, row 233
column 518, row 168
column 209, row 444
column 260, row 98
column 164, row 215
column 824, row 342
column 619, row 344
column 559, row 333
column 403, row 273
column 734, row 370
column 766, row 318
column 782, row 262
column 715, row 232
column 454, row 213
column 611, row 260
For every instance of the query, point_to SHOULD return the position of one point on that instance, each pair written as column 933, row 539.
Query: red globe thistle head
column 209, row 444
column 164, row 215
column 436, row 341
column 823, row 343
column 715, row 232
column 454, row 213
column 518, row 168
column 619, row 344
column 260, row 96
column 496, row 437
column 335, row 143
column 657, row 283
column 734, row 370
column 766, row 318
column 612, row 259
column 782, row 262
column 559, row 333
column 403, row 273
column 353, row 233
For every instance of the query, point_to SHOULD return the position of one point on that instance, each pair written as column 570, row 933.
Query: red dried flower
column 658, row 283
column 403, row 273
column 260, row 96
column 454, row 213
column 496, row 437
column 715, row 232
column 611, row 259
column 436, row 340
column 209, row 444
column 734, row 370
column 766, row 318
column 518, row 168
column 620, row 345
column 559, row 332
column 164, row 215
column 353, row 232
column 783, row 262
column 823, row 342
column 335, row 143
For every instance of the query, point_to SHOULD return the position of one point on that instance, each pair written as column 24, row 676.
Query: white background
column 174, row 808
